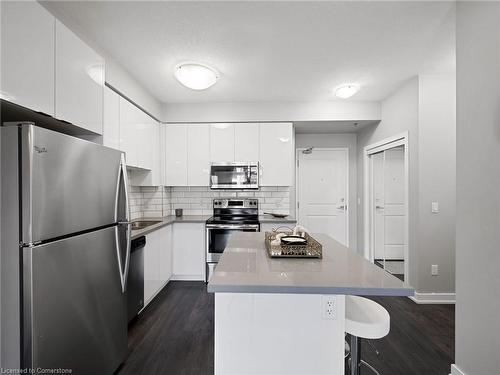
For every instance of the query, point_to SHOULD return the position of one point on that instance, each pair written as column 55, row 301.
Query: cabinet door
column 111, row 122
column 79, row 81
column 166, row 255
column 157, row 261
column 151, row 266
column 147, row 140
column 189, row 251
column 154, row 141
column 27, row 66
column 129, row 137
column 221, row 142
column 176, row 155
column 198, row 154
column 246, row 142
column 276, row 154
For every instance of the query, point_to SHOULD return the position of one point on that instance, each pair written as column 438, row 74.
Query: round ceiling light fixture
column 347, row 90
column 196, row 76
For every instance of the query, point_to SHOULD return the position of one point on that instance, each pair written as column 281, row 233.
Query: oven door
column 218, row 236
column 234, row 176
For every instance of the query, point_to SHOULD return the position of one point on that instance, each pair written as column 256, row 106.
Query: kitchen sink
column 144, row 224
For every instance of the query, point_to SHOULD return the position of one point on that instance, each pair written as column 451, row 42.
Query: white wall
column 349, row 141
column 425, row 107
column 477, row 323
column 399, row 114
column 436, row 183
column 265, row 111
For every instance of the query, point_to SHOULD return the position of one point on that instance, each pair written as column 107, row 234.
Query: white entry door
column 322, row 177
column 388, row 177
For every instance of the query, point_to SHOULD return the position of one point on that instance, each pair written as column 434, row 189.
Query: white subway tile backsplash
column 268, row 188
column 197, row 200
column 244, row 194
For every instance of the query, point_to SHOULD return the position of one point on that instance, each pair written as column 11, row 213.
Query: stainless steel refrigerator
column 65, row 252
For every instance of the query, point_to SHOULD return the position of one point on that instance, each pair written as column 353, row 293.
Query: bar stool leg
column 355, row 355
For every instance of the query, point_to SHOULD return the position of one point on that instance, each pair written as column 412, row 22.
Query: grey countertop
column 245, row 267
column 272, row 219
column 167, row 220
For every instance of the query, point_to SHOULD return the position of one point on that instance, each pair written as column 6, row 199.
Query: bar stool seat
column 366, row 319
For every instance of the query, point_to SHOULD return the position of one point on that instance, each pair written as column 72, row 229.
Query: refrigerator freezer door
column 68, row 185
column 77, row 315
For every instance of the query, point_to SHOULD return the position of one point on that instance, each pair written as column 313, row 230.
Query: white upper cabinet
column 111, row 121
column 189, row 149
column 79, row 81
column 198, row 153
column 140, row 140
column 246, row 142
column 276, row 154
column 129, row 137
column 222, row 142
column 27, row 51
column 149, row 141
column 176, row 144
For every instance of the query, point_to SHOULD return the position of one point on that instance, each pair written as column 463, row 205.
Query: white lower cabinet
column 166, row 257
column 188, row 251
column 157, row 261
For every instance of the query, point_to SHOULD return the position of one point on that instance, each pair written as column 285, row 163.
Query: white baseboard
column 456, row 371
column 433, row 298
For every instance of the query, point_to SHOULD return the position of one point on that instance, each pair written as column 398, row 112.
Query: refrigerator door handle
column 123, row 181
column 124, row 275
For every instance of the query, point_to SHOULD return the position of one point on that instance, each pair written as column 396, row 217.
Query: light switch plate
column 435, row 207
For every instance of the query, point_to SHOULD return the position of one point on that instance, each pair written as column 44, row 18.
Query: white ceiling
column 268, row 51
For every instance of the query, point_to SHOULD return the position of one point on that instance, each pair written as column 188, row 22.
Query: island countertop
column 245, row 267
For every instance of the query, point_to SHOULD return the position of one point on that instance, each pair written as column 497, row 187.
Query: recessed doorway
column 386, row 211
column 323, row 191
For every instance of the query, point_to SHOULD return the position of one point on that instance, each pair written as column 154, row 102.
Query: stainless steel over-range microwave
column 234, row 175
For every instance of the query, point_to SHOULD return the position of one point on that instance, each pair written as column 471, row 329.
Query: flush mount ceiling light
column 346, row 91
column 196, row 76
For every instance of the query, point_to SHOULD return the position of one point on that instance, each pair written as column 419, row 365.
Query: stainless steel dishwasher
column 135, row 294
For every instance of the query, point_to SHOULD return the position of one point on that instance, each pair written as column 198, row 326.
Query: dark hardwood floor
column 174, row 336
column 175, row 333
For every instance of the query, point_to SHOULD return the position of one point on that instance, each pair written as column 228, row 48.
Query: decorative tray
column 312, row 249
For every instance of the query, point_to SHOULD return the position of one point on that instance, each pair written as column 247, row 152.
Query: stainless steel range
column 230, row 215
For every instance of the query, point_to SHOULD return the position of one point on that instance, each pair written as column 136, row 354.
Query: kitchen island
column 270, row 314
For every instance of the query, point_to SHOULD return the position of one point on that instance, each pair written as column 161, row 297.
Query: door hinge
column 297, row 162
column 298, row 204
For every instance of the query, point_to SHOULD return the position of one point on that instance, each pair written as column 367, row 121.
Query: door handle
column 342, row 207
column 379, row 207
column 125, row 221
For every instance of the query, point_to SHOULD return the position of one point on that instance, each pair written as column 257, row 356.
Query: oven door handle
column 232, row 226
